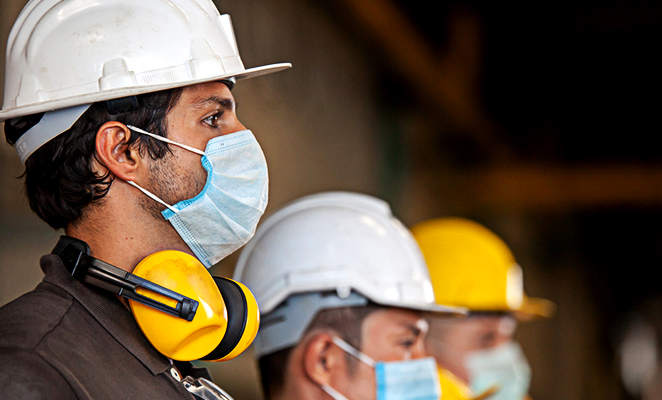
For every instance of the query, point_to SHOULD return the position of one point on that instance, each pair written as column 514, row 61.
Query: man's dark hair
column 59, row 178
column 346, row 322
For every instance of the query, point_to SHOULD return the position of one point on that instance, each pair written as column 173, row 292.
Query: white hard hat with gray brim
column 285, row 326
column 64, row 55
column 330, row 250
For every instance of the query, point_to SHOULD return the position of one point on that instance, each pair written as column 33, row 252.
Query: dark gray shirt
column 68, row 340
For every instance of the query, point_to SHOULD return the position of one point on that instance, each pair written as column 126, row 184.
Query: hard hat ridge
column 470, row 266
column 65, row 53
column 70, row 50
column 337, row 241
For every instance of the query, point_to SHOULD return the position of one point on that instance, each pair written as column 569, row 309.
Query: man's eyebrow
column 226, row 103
column 414, row 329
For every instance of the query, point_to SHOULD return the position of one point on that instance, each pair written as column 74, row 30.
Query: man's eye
column 488, row 339
column 408, row 343
column 213, row 119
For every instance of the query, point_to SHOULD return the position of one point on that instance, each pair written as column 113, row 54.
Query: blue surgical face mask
column 503, row 367
column 224, row 215
column 396, row 380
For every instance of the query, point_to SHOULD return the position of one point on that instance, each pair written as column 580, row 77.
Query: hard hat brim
column 77, row 100
column 451, row 311
column 535, row 308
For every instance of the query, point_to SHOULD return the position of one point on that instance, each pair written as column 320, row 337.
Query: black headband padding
column 16, row 127
column 122, row 105
column 235, row 302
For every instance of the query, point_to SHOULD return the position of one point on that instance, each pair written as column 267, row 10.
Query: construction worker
column 472, row 267
column 341, row 286
column 123, row 115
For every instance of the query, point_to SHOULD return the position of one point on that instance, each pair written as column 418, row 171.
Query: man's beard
column 171, row 183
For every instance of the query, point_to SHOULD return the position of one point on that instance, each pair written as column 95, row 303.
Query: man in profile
column 342, row 287
column 119, row 110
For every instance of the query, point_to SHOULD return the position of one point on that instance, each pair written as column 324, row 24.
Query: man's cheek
column 363, row 386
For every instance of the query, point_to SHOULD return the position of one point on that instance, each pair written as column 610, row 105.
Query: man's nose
column 235, row 126
column 419, row 350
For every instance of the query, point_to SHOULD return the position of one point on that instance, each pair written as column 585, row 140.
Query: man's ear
column 114, row 152
column 322, row 359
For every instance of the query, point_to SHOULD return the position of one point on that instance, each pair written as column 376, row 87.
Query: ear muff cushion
column 237, row 307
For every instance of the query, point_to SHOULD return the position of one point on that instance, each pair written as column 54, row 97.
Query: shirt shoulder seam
column 48, row 332
column 56, row 370
column 44, row 359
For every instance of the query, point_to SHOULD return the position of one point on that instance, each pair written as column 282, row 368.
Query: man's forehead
column 477, row 323
column 202, row 91
column 398, row 319
column 205, row 96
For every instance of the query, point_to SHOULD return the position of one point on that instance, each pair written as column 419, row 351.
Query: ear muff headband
column 243, row 316
column 75, row 255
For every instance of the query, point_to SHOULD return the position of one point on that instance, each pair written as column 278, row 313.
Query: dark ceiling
column 571, row 85
column 570, row 81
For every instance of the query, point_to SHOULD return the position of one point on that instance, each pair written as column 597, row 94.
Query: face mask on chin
column 223, row 216
column 396, row 380
column 503, row 367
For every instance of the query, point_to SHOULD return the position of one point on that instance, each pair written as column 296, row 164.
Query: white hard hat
column 66, row 53
column 337, row 241
column 346, row 246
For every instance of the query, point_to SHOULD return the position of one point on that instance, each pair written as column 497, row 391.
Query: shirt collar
column 109, row 311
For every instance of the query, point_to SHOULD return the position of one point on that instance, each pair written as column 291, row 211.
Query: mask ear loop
column 152, row 196
column 354, row 352
column 349, row 349
column 333, row 392
column 164, row 139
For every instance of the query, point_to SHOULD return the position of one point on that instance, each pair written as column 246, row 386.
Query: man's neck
column 300, row 392
column 120, row 232
column 297, row 386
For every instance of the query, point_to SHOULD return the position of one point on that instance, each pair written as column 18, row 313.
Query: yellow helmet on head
column 472, row 267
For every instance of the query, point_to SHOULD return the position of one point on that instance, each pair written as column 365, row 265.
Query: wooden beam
column 549, row 188
column 11, row 197
column 448, row 81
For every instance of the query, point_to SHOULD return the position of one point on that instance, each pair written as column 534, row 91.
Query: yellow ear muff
column 225, row 323
column 243, row 320
column 174, row 337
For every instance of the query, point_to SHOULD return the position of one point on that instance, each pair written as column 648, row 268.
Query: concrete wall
column 316, row 123
column 320, row 125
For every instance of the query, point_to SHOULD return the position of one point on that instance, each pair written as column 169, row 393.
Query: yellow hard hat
column 227, row 316
column 452, row 388
column 472, row 267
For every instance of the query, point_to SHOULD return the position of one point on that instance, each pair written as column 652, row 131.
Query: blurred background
column 541, row 121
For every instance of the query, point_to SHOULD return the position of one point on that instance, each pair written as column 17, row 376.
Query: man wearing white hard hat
column 341, row 286
column 122, row 113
